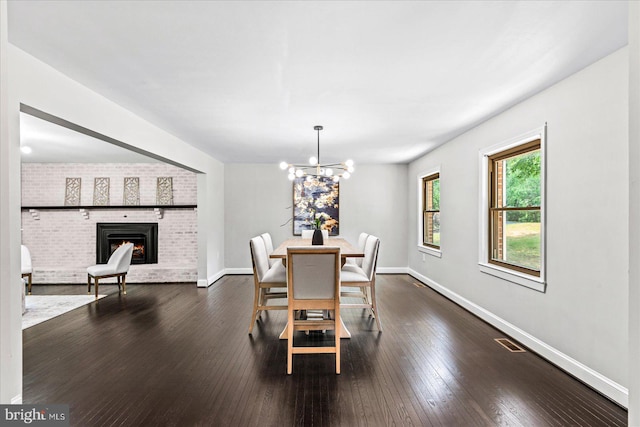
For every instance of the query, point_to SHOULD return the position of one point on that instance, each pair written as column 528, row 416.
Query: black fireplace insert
column 143, row 235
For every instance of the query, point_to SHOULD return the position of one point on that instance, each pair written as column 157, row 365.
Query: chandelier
column 315, row 168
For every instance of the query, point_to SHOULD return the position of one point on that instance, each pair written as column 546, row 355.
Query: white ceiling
column 247, row 81
column 52, row 143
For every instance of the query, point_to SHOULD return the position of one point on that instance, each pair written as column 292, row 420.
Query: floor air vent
column 419, row 285
column 510, row 345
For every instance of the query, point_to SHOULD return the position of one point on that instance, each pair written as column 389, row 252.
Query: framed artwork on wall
column 316, row 197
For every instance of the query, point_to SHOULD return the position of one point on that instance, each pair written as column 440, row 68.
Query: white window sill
column 531, row 282
column 431, row 251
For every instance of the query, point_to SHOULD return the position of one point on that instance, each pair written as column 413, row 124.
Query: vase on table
column 317, row 238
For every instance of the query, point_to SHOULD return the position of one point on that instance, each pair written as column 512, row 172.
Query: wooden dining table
column 347, row 250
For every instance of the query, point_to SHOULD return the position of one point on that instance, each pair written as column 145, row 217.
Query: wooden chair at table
column 270, row 282
column 362, row 240
column 268, row 244
column 313, row 279
column 360, row 282
column 117, row 266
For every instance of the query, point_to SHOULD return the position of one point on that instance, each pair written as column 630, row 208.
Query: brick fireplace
column 62, row 240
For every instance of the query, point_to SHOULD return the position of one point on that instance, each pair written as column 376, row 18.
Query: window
column 512, row 237
column 431, row 211
column 514, row 208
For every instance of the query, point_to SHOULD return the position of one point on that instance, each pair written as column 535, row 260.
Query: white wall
column 258, row 199
column 10, row 293
column 582, row 317
column 634, row 213
column 39, row 86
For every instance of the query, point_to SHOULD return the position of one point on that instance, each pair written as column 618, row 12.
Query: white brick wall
column 62, row 243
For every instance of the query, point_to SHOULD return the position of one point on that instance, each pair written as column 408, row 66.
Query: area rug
column 44, row 307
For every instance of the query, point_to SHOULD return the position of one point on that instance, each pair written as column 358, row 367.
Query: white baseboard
column 599, row 382
column 204, row 283
column 17, row 400
column 246, row 270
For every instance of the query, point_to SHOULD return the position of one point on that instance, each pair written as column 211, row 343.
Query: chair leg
column 255, row 308
column 124, row 284
column 290, row 341
column 369, row 300
column 261, row 302
column 88, row 283
column 96, row 280
column 374, row 305
column 338, row 332
column 29, row 282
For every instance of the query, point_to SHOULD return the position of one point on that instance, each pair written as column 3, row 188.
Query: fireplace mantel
column 42, row 208
column 84, row 210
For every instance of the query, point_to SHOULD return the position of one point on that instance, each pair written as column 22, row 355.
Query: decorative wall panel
column 164, row 192
column 72, row 192
column 101, row 192
column 131, row 193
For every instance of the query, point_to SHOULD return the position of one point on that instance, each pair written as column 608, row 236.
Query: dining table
column 347, row 250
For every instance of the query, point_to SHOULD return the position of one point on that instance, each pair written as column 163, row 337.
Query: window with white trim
column 428, row 212
column 431, row 211
column 514, row 208
column 512, row 237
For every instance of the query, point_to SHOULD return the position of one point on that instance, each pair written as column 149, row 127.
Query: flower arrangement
column 317, row 219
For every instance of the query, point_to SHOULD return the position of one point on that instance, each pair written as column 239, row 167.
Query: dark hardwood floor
column 176, row 355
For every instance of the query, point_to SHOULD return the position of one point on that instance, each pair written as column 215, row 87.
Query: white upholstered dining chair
column 268, row 244
column 362, row 239
column 117, row 266
column 270, row 282
column 360, row 282
column 313, row 283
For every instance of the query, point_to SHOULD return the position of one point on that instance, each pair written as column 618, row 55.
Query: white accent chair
column 308, row 234
column 268, row 243
column 269, row 282
column 117, row 266
column 360, row 282
column 27, row 267
column 313, row 278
